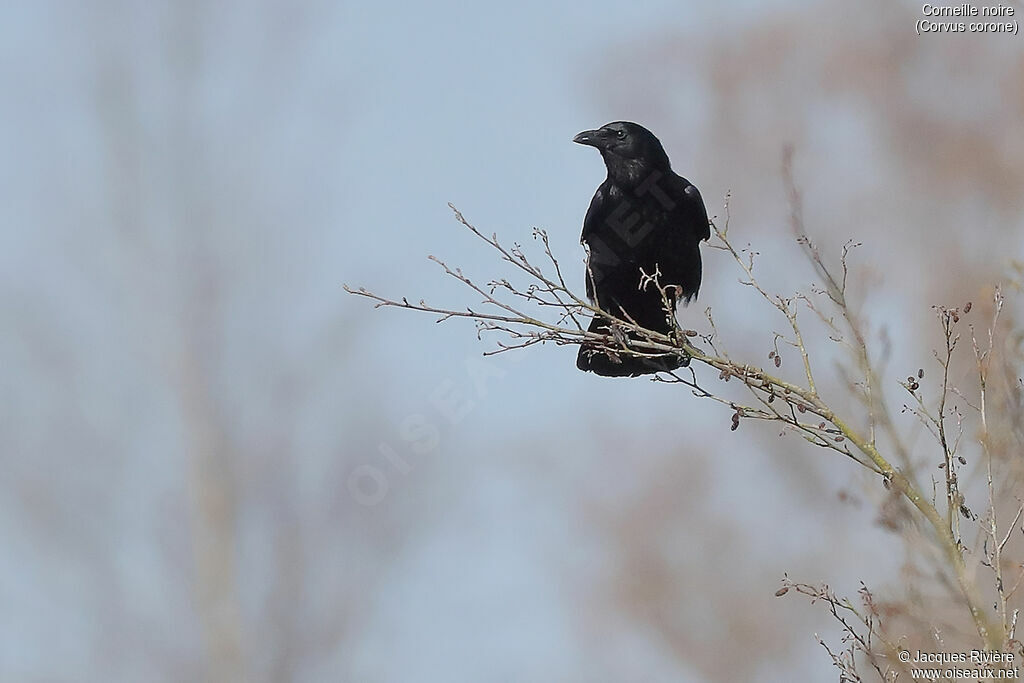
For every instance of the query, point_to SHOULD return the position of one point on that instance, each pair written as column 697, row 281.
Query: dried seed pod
column 962, row 459
column 967, row 307
column 771, row 354
column 838, row 439
column 920, row 373
column 942, row 465
column 800, row 407
column 821, row 425
column 782, row 591
column 690, row 333
column 778, row 361
column 771, row 397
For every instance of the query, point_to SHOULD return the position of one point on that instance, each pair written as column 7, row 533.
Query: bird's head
column 626, row 145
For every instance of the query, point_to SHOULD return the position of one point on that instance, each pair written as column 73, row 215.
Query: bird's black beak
column 590, row 137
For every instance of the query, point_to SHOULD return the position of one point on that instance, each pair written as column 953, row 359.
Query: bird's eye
column 620, row 134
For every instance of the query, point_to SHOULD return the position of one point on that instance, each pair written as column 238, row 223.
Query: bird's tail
column 609, row 364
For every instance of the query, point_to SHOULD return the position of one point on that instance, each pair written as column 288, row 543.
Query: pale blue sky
column 324, row 141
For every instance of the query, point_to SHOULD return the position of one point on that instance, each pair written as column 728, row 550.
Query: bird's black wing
column 687, row 224
column 692, row 212
column 596, row 213
column 593, row 223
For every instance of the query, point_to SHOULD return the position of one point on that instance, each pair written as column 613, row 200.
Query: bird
column 643, row 219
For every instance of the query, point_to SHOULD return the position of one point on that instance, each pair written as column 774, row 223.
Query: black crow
column 642, row 217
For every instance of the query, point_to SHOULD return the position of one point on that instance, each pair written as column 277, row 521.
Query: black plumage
column 646, row 218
